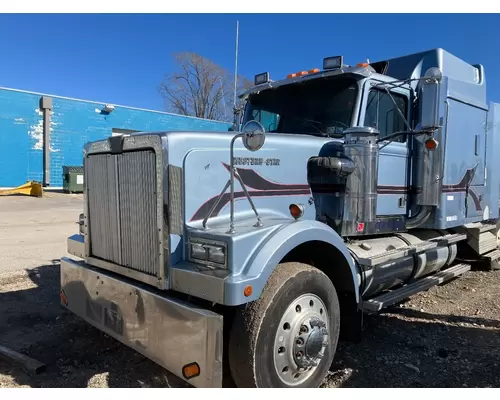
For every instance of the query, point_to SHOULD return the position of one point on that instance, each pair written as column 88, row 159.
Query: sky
column 121, row 59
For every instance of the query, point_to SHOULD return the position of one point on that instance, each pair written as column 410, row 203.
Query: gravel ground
column 446, row 337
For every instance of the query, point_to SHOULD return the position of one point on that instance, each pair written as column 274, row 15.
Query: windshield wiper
column 311, row 123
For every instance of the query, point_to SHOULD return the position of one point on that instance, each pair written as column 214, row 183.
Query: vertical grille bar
column 123, row 210
column 103, row 205
column 138, row 211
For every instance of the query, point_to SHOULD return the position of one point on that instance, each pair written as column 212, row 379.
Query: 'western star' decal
column 263, row 187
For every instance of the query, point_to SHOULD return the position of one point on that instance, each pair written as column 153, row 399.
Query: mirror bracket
column 253, row 137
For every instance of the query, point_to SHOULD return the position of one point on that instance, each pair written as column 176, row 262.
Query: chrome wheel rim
column 301, row 339
column 498, row 235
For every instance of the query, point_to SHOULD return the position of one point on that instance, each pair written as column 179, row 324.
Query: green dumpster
column 73, row 179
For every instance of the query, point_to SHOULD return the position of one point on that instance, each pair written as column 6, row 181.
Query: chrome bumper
column 171, row 333
column 76, row 246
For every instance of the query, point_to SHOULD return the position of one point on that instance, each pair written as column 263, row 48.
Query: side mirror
column 429, row 99
column 254, row 135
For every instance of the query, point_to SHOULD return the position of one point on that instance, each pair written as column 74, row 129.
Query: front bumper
column 171, row 333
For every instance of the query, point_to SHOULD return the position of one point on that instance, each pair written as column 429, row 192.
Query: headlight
column 208, row 252
column 216, row 254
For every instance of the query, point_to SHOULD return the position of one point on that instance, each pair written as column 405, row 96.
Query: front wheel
column 495, row 265
column 497, row 230
column 288, row 337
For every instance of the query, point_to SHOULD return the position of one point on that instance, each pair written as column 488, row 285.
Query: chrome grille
column 122, row 204
column 103, row 207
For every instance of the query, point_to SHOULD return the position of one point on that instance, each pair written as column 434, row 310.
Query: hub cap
column 301, row 339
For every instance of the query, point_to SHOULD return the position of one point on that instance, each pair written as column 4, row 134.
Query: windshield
column 318, row 107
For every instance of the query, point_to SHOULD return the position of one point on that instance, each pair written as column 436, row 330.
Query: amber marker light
column 64, row 299
column 431, row 144
column 296, row 210
column 191, row 370
column 248, row 291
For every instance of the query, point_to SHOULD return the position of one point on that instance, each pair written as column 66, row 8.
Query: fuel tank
column 393, row 273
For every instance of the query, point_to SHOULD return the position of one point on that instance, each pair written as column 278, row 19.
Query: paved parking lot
column 33, row 231
column 447, row 337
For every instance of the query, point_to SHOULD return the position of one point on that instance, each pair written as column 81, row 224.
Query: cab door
column 381, row 112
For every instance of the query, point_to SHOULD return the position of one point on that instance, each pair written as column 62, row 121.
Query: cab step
column 477, row 228
column 492, row 255
column 481, row 238
column 388, row 299
column 492, row 259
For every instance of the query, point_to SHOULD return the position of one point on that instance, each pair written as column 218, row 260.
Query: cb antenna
column 236, row 63
column 236, row 111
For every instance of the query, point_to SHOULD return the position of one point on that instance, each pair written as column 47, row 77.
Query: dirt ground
column 446, row 337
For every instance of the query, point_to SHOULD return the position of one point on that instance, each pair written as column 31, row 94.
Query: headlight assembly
column 208, row 252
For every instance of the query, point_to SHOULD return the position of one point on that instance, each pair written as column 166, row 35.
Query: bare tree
column 200, row 88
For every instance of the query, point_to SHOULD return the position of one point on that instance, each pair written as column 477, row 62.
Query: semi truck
column 250, row 253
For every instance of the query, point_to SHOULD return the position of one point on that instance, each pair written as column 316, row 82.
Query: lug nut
column 304, row 329
column 299, row 354
column 300, row 341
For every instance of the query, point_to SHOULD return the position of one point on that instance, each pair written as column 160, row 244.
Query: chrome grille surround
column 128, row 241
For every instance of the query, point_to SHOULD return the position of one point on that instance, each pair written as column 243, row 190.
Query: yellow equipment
column 30, row 188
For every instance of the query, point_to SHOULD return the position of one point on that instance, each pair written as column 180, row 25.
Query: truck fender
column 267, row 256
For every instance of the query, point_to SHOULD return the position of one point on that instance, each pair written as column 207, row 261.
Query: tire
column 497, row 233
column 257, row 357
column 495, row 265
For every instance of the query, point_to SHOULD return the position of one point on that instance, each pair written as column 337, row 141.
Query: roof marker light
column 302, row 73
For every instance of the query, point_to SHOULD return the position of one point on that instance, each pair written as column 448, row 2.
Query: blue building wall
column 73, row 123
